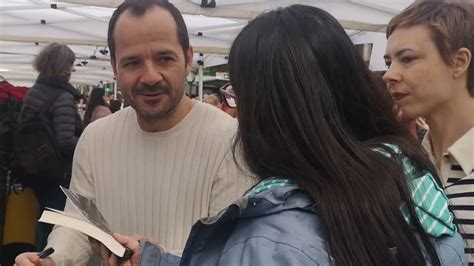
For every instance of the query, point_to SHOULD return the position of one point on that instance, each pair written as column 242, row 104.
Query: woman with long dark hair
column 336, row 169
column 96, row 107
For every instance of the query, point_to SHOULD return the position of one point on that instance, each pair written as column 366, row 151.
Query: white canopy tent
column 28, row 25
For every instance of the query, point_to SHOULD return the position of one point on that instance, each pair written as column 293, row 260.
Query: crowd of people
column 323, row 165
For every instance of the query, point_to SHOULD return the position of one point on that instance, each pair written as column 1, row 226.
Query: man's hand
column 31, row 258
column 130, row 242
column 410, row 124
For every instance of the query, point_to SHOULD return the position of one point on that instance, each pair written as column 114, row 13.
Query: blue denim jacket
column 276, row 227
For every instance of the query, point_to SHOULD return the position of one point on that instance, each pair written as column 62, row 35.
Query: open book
column 89, row 222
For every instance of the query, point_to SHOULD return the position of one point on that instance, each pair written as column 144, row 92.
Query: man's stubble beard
column 167, row 111
column 164, row 114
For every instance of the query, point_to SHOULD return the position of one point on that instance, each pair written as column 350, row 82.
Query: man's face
column 149, row 63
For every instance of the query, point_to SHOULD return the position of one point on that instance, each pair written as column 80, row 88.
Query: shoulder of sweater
column 109, row 122
column 216, row 118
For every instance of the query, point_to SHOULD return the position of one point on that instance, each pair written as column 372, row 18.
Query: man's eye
column 388, row 64
column 130, row 63
column 166, row 59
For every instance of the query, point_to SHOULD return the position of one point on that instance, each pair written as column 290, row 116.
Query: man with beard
column 155, row 167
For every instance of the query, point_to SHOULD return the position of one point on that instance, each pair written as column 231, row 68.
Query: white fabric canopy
column 28, row 25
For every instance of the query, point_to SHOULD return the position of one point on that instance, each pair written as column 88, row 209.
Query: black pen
column 45, row 253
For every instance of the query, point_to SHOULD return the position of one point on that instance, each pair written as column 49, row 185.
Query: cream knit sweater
column 152, row 184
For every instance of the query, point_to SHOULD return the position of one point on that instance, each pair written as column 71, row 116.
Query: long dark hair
column 310, row 110
column 96, row 99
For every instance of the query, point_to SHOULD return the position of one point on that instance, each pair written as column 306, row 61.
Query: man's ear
column 461, row 61
column 189, row 60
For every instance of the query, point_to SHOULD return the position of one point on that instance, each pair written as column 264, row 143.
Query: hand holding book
column 130, row 242
column 89, row 222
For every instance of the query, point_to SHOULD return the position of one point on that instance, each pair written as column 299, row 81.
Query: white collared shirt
column 457, row 175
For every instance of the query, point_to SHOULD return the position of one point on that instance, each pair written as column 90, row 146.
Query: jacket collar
column 265, row 203
column 64, row 85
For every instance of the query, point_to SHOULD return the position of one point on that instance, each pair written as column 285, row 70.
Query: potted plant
column 11, row 99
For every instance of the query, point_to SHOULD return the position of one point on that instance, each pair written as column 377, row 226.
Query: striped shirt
column 457, row 174
column 430, row 202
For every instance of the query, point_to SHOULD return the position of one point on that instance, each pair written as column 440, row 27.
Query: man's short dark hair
column 138, row 8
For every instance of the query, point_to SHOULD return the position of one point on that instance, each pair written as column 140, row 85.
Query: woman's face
column 69, row 73
column 417, row 77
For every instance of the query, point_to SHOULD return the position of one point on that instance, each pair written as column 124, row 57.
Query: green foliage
column 9, row 112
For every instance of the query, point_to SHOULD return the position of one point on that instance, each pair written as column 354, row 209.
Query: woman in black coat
column 54, row 64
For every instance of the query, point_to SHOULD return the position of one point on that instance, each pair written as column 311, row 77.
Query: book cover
column 89, row 222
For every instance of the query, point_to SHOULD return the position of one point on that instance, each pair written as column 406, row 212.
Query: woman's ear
column 461, row 61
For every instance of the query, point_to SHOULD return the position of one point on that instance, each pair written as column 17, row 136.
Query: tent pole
column 114, row 86
column 201, row 84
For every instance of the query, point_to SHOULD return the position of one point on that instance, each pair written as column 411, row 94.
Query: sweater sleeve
column 72, row 247
column 64, row 121
column 229, row 184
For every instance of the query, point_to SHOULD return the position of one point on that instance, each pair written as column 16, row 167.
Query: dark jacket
column 276, row 227
column 63, row 111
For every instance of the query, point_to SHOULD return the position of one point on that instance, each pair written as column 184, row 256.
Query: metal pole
column 201, row 85
column 114, row 87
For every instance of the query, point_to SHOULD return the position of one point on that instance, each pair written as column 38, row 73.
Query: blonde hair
column 212, row 99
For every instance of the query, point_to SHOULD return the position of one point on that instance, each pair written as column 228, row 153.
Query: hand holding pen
column 45, row 253
column 36, row 259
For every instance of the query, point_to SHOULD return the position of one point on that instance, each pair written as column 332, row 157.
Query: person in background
column 83, row 104
column 229, row 103
column 54, row 64
column 85, row 99
column 96, row 107
column 117, row 104
column 157, row 166
column 431, row 75
column 212, row 99
column 342, row 182
column 109, row 97
column 114, row 106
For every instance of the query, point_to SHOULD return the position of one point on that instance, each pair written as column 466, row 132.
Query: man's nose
column 151, row 74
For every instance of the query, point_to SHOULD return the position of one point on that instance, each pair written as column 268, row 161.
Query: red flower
column 3, row 96
column 19, row 93
column 5, row 87
column 9, row 91
column 11, row 98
